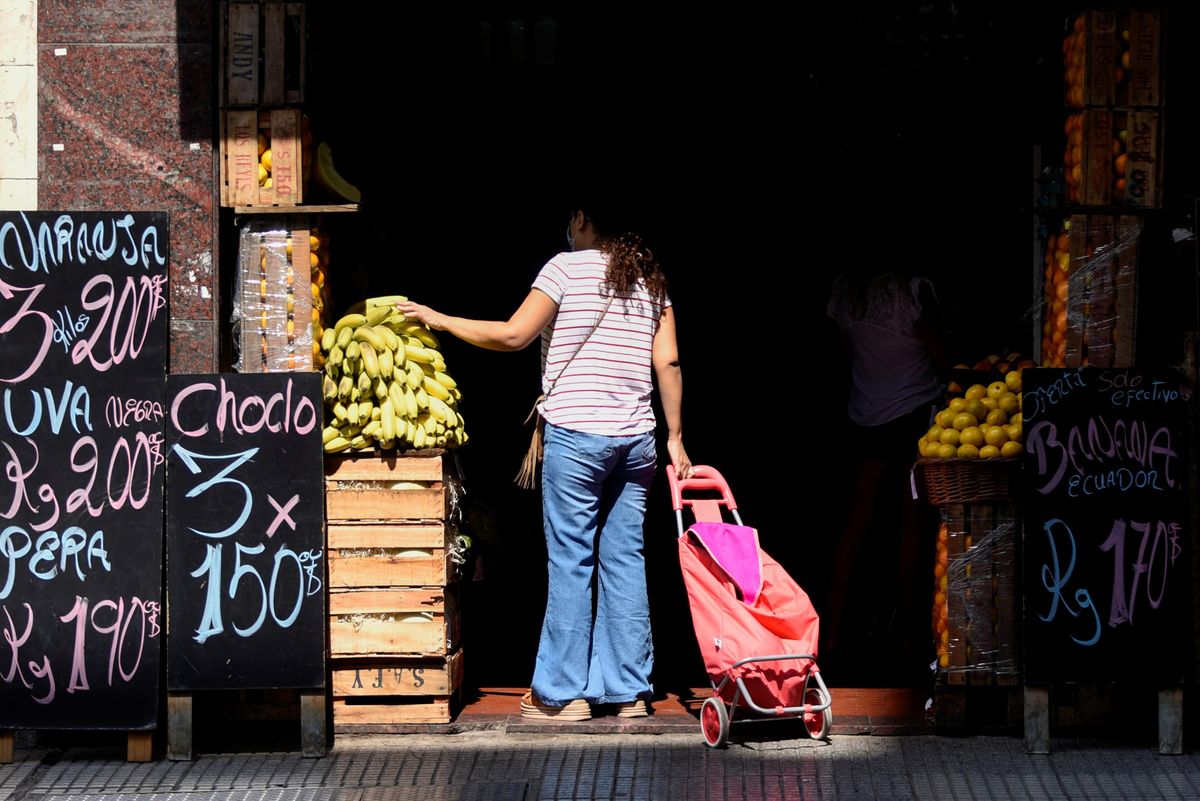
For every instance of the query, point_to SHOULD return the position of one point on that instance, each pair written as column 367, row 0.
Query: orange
column 1014, row 431
column 996, row 435
column 1060, row 320
column 958, row 405
column 945, row 418
column 964, row 420
column 934, row 433
column 950, row 437
column 996, row 389
column 967, row 451
column 996, row 417
column 1008, row 402
column 1125, row 59
column 971, row 435
column 989, row 452
column 1121, row 185
column 1010, row 449
column 947, row 451
column 1060, row 291
column 976, row 409
column 989, row 404
column 974, row 392
column 1119, row 164
column 1013, row 380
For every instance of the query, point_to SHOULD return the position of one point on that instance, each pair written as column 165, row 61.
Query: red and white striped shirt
column 605, row 386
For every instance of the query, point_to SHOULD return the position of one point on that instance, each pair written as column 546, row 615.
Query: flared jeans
column 595, row 641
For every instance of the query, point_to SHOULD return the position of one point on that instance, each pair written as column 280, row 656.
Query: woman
column 604, row 318
column 890, row 326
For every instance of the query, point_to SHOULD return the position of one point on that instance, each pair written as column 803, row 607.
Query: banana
column 336, row 354
column 445, row 380
column 396, row 394
column 390, row 340
column 376, row 412
column 365, row 383
column 440, row 442
column 352, row 351
column 419, row 438
column 344, row 387
column 417, row 354
column 440, row 429
column 353, row 320
column 454, row 393
column 328, row 339
column 371, row 428
column 337, row 444
column 435, row 389
column 329, row 388
column 365, row 333
column 349, row 431
column 328, row 433
column 369, row 359
column 359, row 442
column 364, row 410
column 385, row 301
column 439, row 364
column 376, row 315
column 438, row 409
column 428, row 370
column 426, row 337
column 333, row 369
column 387, row 419
column 340, row 412
column 380, row 388
column 385, row 362
column 387, row 444
column 352, row 413
column 410, row 401
column 344, row 335
column 355, row 394
column 416, row 376
column 422, row 398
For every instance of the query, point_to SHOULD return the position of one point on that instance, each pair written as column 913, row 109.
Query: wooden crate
column 262, row 54
column 409, row 487
column 395, row 622
column 278, row 327
column 391, row 692
column 981, row 593
column 1113, row 157
column 1102, row 295
column 1114, row 58
column 240, row 158
column 388, row 555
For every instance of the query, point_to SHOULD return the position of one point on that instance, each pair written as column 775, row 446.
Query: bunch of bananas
column 385, row 383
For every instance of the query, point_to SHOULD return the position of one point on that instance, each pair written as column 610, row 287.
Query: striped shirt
column 598, row 376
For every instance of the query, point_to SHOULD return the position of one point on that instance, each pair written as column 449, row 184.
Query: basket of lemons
column 972, row 451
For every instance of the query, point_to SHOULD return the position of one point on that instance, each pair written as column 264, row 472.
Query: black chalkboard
column 245, row 531
column 1106, row 545
column 83, row 354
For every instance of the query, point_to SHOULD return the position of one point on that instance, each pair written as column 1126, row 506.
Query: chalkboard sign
column 245, row 531
column 83, row 354
column 1106, row 562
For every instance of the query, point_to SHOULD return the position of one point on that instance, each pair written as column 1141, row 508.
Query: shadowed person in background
column 891, row 334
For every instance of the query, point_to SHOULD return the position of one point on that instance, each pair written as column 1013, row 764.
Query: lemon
column 262, row 143
column 958, row 405
column 1010, row 449
column 996, row 417
column 964, row 420
column 262, row 175
column 945, row 418
column 996, row 389
column 950, row 436
column 946, row 451
column 934, row 434
column 995, row 435
column 989, row 452
column 1014, row 431
column 1013, row 380
column 989, row 403
column 967, row 451
column 971, row 435
column 265, row 158
column 976, row 409
column 1008, row 402
column 975, row 392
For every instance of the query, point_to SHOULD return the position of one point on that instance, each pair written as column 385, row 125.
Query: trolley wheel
column 817, row 723
column 714, row 722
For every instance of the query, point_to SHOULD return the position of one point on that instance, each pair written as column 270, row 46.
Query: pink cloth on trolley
column 735, row 549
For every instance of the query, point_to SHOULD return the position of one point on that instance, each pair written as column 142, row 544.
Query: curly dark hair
column 630, row 260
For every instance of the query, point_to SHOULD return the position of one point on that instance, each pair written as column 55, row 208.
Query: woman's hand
column 415, row 311
column 679, row 458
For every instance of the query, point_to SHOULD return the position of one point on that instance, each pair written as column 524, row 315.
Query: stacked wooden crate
column 393, row 614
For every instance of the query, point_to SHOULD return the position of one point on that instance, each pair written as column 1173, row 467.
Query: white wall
column 18, row 104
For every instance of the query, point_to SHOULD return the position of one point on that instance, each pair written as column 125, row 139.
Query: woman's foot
column 533, row 708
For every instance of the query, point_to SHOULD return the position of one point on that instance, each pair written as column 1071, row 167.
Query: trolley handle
column 703, row 478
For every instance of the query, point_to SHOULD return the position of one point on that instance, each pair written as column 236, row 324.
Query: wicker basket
column 970, row 480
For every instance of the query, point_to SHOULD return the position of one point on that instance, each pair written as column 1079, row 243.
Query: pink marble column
column 125, row 122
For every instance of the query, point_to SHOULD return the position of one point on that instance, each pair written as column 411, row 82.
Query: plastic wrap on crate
column 1088, row 306
column 975, row 601
column 273, row 300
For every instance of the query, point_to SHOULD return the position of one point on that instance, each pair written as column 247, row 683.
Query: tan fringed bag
column 527, row 475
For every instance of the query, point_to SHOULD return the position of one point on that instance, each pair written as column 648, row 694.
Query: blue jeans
column 594, row 503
